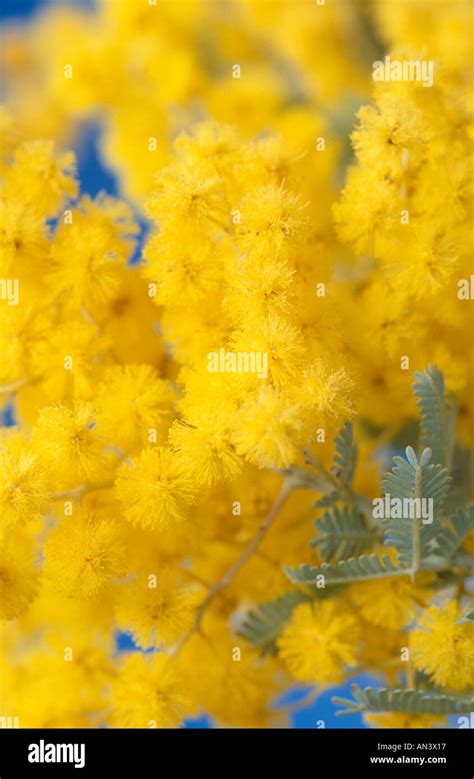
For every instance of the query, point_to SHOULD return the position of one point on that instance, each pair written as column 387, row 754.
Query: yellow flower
column 187, row 195
column 42, row 176
column 391, row 135
column 431, row 259
column 24, row 485
column 67, row 360
column 128, row 320
column 237, row 685
column 368, row 213
column 148, row 692
column 22, row 238
column 276, row 338
column 67, row 443
column 83, row 553
column 204, row 444
column 320, row 642
column 254, row 246
column 86, row 252
column 271, row 221
column 388, row 603
column 52, row 693
column 259, row 288
column 269, row 429
column 443, row 648
column 132, row 404
column 23, row 329
column 325, row 393
column 154, row 490
column 157, row 608
column 187, row 271
column 214, row 144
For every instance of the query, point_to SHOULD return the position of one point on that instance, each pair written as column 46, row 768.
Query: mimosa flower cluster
column 141, row 492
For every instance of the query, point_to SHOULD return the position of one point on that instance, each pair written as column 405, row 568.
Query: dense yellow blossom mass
column 290, row 241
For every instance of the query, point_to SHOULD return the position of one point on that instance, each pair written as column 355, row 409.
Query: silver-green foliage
column 404, row 700
column 343, row 532
column 414, row 478
column 437, row 416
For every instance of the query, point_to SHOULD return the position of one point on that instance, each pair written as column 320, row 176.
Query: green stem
column 417, row 525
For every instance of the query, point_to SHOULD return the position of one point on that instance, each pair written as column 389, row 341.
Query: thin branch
column 287, row 487
column 252, row 547
column 83, row 489
column 8, row 389
column 302, row 703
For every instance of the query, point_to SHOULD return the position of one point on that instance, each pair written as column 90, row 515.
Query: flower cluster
column 141, row 491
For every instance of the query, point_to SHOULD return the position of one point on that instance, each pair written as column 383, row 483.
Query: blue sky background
column 93, row 179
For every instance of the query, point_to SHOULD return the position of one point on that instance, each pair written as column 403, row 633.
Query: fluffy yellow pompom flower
column 24, row 493
column 272, row 220
column 157, row 609
column 148, row 692
column 319, row 642
column 443, row 648
column 132, row 403
column 390, row 134
column 269, row 429
column 22, row 329
column 181, row 271
column 67, row 442
column 86, row 252
column 432, row 256
column 368, row 212
column 83, row 553
column 259, row 288
column 187, row 195
column 326, row 393
column 84, row 347
column 234, row 693
column 389, row 603
column 211, row 143
column 22, row 238
column 401, row 719
column 242, row 255
column 18, row 576
column 204, row 443
column 280, row 341
column 42, row 176
column 155, row 491
column 51, row 693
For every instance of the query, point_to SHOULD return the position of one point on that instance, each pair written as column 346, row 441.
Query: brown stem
column 8, row 389
column 251, row 548
column 287, row 487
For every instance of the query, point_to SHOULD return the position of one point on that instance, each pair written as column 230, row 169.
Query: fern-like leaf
column 364, row 568
column 342, row 533
column 413, row 478
column 328, row 500
column 449, row 539
column 413, row 701
column 462, row 482
column 437, row 419
column 345, row 458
